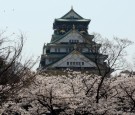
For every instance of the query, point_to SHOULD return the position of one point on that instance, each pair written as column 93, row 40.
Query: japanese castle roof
column 72, row 16
column 72, row 52
column 72, row 30
column 61, row 36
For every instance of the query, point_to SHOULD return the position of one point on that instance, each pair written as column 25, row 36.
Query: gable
column 74, row 59
column 71, row 37
column 72, row 15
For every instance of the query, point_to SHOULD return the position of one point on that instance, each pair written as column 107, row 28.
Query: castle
column 71, row 45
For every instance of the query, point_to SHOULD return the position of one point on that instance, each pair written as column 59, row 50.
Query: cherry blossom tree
column 74, row 93
column 115, row 52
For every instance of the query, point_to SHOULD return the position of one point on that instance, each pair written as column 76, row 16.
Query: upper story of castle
column 68, row 22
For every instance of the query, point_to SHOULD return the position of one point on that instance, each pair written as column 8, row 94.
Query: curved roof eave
column 73, row 20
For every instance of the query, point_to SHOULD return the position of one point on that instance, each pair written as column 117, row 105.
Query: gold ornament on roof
column 82, row 32
column 62, row 31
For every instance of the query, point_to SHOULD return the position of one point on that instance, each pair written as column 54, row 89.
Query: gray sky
column 35, row 19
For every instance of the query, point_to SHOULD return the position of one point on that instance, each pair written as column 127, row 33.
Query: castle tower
column 71, row 45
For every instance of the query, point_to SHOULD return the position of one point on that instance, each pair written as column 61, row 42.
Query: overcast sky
column 35, row 18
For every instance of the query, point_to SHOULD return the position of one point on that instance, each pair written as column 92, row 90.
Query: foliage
column 74, row 93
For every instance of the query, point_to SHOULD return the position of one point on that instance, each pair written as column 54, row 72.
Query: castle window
column 69, row 49
column 73, row 41
column 72, row 17
column 57, row 49
column 75, row 63
column 82, row 63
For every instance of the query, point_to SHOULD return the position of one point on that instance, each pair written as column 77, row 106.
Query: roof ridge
column 72, row 10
